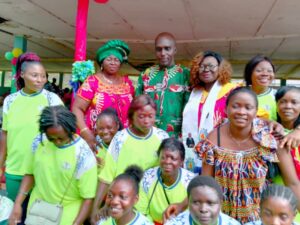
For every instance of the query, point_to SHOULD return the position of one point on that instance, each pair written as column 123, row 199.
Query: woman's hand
column 276, row 129
column 100, row 162
column 292, row 140
column 89, row 137
column 174, row 209
column 99, row 214
column 16, row 215
column 79, row 108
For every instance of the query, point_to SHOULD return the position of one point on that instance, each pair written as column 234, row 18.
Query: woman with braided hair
column 63, row 169
column 278, row 205
column 20, row 118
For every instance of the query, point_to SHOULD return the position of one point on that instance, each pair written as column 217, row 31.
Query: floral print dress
column 241, row 173
column 102, row 95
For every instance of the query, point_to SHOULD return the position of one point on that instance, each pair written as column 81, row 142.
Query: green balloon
column 9, row 56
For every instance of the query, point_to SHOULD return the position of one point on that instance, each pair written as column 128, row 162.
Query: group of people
column 128, row 155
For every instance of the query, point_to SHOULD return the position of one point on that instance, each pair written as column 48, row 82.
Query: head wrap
column 26, row 57
column 117, row 48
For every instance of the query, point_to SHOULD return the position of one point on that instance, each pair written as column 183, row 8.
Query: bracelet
column 23, row 193
column 83, row 129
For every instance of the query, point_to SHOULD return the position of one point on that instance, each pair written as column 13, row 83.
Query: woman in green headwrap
column 104, row 89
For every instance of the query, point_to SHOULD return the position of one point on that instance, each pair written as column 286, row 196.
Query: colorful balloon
column 14, row 61
column 9, row 56
column 17, row 52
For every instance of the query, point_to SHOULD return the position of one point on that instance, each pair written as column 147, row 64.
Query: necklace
column 238, row 142
column 107, row 80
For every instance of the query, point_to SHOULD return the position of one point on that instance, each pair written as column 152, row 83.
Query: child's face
column 276, row 211
column 58, row 136
column 121, row 198
column 204, row 205
column 107, row 128
column 143, row 119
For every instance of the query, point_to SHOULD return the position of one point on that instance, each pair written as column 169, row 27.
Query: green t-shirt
column 266, row 101
column 169, row 88
column 152, row 182
column 128, row 149
column 53, row 167
column 186, row 219
column 21, row 113
column 101, row 154
column 139, row 219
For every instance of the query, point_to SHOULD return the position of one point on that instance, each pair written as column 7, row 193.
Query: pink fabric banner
column 81, row 30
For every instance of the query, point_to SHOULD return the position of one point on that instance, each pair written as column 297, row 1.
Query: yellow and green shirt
column 152, row 182
column 54, row 167
column 128, row 149
column 267, row 105
column 21, row 113
column 139, row 219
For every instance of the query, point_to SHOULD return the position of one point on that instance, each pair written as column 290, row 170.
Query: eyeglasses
column 209, row 67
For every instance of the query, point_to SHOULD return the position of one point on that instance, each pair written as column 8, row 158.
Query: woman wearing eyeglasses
column 210, row 76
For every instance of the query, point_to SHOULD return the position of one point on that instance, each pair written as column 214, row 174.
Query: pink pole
column 81, row 30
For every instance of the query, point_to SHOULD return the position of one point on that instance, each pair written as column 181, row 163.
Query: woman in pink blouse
column 104, row 89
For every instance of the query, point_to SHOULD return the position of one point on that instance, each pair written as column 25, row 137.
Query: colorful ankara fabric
column 295, row 152
column 296, row 158
column 152, row 185
column 128, row 149
column 185, row 218
column 169, row 88
column 220, row 105
column 215, row 112
column 21, row 113
column 53, row 167
column 139, row 219
column 241, row 173
column 102, row 95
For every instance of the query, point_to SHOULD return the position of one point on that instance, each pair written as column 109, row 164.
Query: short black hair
column 216, row 55
column 59, row 115
column 202, row 181
column 242, row 90
column 138, row 103
column 279, row 191
column 250, row 66
column 172, row 144
column 134, row 174
column 111, row 112
column 280, row 93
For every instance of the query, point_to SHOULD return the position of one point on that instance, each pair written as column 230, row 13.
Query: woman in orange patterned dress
column 104, row 89
column 237, row 154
